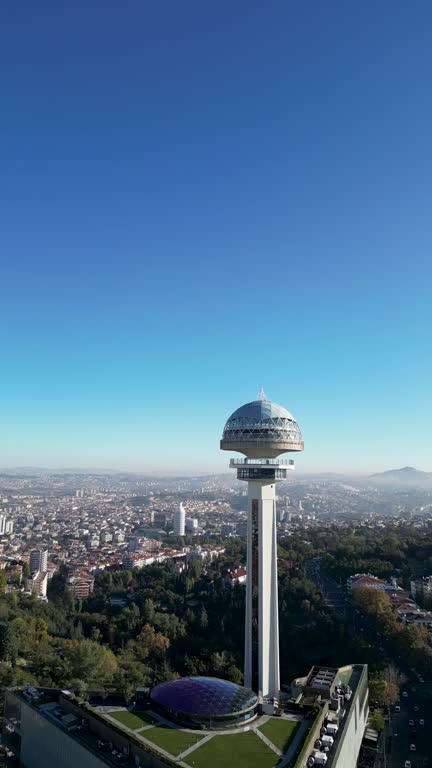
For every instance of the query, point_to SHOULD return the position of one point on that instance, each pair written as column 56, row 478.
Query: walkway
column 267, row 741
column 296, row 744
column 194, row 746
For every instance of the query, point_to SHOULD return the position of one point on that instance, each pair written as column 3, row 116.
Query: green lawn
column 244, row 750
column 133, row 720
column 173, row 740
column 280, row 732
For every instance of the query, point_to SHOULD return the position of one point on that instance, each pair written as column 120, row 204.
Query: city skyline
column 181, row 189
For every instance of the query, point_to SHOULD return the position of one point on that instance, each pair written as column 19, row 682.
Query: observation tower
column 262, row 431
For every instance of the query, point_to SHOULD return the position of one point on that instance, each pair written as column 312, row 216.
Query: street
column 401, row 734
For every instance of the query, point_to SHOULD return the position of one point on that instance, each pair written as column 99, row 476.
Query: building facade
column 38, row 560
column 179, row 521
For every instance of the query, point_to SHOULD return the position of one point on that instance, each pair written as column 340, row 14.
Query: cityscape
column 88, row 549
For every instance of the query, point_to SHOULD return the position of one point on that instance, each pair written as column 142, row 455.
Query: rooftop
column 144, row 733
column 133, row 736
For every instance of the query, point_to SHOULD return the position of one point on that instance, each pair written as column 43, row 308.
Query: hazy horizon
column 198, row 470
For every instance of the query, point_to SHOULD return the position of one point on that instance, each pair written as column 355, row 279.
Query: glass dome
column 205, row 700
column 261, row 429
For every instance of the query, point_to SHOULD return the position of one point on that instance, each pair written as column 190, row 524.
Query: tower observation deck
column 262, row 431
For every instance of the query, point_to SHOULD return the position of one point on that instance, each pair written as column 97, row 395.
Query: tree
column 377, row 721
column 381, row 691
column 204, row 618
column 148, row 611
column 7, row 642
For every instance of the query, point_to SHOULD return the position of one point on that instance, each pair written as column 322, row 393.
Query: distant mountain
column 404, row 476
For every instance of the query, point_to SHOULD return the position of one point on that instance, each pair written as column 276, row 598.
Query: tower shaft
column 261, row 667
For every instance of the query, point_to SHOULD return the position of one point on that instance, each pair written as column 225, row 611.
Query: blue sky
column 200, row 198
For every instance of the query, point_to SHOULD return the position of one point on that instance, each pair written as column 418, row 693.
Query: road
column 399, row 734
column 333, row 593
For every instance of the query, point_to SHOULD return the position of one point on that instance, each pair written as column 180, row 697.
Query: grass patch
column 174, row 740
column 145, row 717
column 280, row 732
column 244, row 750
column 132, row 720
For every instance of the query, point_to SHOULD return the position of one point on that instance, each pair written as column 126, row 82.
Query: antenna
column 262, row 394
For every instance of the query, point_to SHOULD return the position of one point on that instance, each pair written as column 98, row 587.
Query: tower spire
column 262, row 394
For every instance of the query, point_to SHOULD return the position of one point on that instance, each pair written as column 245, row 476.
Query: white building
column 37, row 584
column 38, row 560
column 359, row 580
column 9, row 526
column 179, row 521
column 344, row 701
column 191, row 525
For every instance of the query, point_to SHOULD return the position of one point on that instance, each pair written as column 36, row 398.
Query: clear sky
column 197, row 198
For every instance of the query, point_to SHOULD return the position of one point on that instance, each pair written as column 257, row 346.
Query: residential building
column 38, row 560
column 191, row 525
column 37, row 584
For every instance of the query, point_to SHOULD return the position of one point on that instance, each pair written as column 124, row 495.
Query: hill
column 404, row 476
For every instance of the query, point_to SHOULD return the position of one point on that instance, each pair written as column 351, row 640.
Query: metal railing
column 261, row 462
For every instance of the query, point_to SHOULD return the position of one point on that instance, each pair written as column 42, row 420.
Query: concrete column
column 262, row 651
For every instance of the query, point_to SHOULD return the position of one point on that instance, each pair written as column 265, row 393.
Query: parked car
column 421, row 721
column 413, row 748
column 405, row 694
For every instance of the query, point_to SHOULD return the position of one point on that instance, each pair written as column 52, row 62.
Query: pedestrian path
column 195, row 746
column 267, row 742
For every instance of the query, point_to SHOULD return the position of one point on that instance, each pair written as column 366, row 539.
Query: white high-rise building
column 179, row 521
column 262, row 430
column 2, row 524
column 37, row 584
column 38, row 560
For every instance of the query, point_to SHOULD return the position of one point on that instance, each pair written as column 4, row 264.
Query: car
column 421, row 680
column 416, row 709
column 405, row 694
column 411, row 723
column 413, row 747
column 397, row 707
column 421, row 721
column 408, row 764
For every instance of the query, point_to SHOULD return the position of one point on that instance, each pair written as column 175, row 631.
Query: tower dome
column 261, row 429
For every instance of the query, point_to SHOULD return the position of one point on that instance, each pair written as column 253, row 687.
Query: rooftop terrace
column 117, row 736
